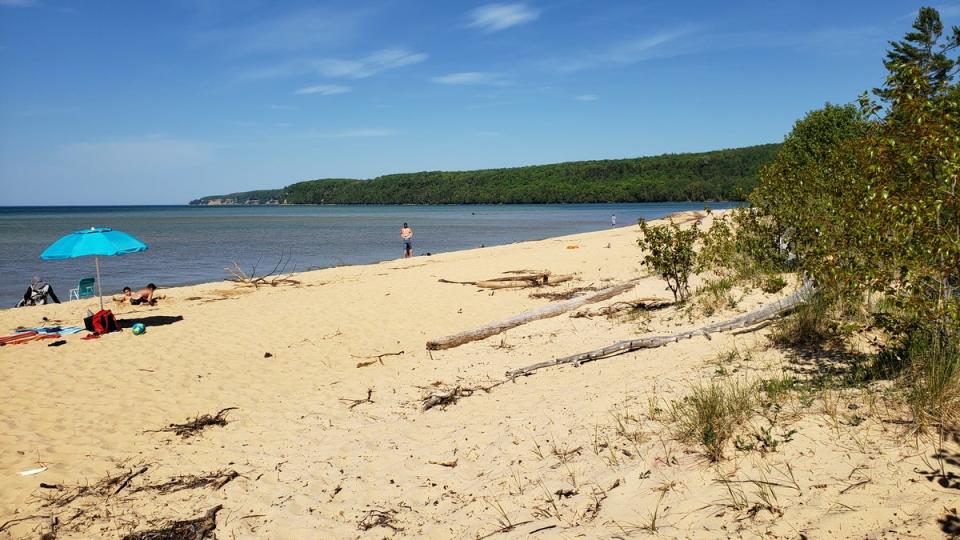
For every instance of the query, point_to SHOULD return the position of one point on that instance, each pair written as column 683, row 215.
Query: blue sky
column 146, row 102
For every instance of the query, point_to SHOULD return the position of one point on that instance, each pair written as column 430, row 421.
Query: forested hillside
column 717, row 175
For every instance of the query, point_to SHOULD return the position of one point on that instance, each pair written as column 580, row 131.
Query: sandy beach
column 328, row 438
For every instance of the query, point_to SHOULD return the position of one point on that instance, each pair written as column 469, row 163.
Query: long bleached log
column 764, row 313
column 455, row 340
column 511, row 283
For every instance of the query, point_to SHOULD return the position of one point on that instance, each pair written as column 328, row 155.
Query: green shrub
column 773, row 284
column 670, row 254
column 742, row 245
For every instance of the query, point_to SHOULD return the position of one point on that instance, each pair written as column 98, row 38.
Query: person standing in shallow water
column 613, row 220
column 406, row 234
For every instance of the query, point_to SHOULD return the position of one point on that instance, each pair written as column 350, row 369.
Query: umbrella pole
column 99, row 285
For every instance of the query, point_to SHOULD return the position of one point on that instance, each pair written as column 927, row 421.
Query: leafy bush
column 670, row 254
column 744, row 245
column 868, row 198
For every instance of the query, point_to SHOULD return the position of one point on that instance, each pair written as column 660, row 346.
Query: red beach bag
column 101, row 322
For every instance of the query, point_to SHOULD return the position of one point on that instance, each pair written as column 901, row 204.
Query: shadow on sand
column 154, row 320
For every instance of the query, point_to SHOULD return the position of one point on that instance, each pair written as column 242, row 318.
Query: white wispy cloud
column 324, row 90
column 363, row 132
column 472, row 78
column 659, row 45
column 495, row 17
column 340, row 68
column 372, row 64
column 295, row 31
column 586, row 97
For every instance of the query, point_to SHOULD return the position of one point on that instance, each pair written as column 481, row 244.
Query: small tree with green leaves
column 670, row 254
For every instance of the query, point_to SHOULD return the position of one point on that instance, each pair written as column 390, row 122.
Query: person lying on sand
column 147, row 295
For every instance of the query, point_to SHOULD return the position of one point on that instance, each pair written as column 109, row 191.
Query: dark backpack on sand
column 101, row 322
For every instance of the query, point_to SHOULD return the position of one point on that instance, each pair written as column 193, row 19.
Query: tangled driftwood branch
column 191, row 529
column 216, row 479
column 619, row 307
column 448, row 342
column 442, row 398
column 61, row 495
column 195, row 426
column 278, row 276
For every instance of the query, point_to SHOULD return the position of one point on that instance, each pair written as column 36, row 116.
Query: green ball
column 138, row 329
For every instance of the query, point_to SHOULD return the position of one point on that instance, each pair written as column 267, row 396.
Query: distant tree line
column 718, row 175
column 260, row 196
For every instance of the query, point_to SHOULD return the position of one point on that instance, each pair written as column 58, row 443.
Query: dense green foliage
column 868, row 197
column 868, row 200
column 719, row 175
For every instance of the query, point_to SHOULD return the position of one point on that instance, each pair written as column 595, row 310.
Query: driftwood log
column 517, row 280
column 455, row 340
column 760, row 315
column 524, row 281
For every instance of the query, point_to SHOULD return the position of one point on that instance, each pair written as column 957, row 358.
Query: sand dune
column 569, row 452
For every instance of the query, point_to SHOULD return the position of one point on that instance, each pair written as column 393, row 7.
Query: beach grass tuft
column 709, row 416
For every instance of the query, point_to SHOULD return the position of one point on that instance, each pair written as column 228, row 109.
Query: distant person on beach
column 38, row 293
column 406, row 234
column 613, row 220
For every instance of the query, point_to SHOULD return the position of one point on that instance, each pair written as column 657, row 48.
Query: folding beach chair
column 84, row 289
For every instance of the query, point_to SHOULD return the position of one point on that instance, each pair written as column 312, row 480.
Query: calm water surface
column 194, row 244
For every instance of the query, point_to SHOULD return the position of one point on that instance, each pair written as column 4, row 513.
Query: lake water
column 193, row 244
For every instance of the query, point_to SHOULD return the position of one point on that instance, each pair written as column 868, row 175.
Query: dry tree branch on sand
column 216, row 479
column 190, row 529
column 354, row 402
column 195, row 426
column 375, row 358
column 648, row 303
column 108, row 487
column 450, row 395
column 381, row 518
column 564, row 295
column 278, row 276
column 517, row 280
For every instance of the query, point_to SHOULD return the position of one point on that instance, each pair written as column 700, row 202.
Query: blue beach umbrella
column 96, row 241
